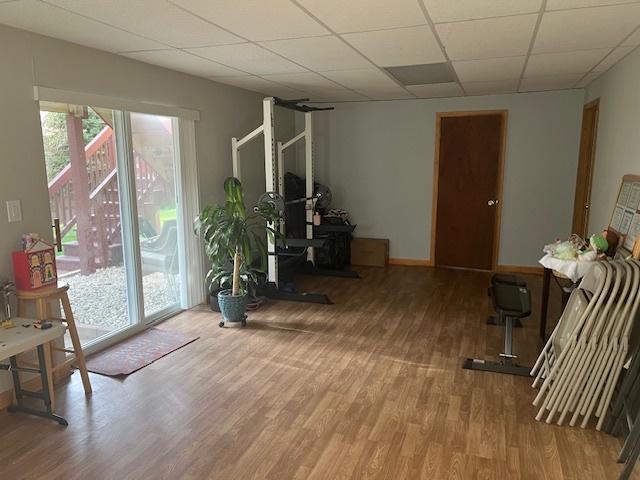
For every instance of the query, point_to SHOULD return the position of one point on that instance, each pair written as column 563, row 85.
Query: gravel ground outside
column 100, row 299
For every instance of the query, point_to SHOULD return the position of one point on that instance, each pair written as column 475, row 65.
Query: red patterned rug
column 137, row 352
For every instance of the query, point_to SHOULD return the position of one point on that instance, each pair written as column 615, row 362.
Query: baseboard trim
column 7, row 397
column 415, row 262
column 411, row 262
column 520, row 269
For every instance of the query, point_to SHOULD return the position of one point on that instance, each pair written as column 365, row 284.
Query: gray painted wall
column 377, row 157
column 618, row 142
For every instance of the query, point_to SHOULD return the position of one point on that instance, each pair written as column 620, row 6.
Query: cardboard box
column 371, row 252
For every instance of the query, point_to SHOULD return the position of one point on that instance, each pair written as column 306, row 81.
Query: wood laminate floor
column 368, row 388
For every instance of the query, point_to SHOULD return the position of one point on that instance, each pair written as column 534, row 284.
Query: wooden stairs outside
column 94, row 210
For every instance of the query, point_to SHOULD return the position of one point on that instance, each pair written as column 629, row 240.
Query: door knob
column 491, row 203
column 56, row 233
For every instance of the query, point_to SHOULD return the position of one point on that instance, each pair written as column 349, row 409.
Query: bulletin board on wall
column 625, row 219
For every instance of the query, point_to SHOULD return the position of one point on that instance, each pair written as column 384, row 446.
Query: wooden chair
column 42, row 299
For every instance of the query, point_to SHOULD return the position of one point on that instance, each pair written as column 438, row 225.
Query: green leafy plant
column 234, row 239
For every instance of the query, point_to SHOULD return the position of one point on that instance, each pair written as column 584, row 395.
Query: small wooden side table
column 566, row 287
column 42, row 299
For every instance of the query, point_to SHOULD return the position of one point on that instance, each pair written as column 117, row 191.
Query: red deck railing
column 102, row 206
column 101, row 161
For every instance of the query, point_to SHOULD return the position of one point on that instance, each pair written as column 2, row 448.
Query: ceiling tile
column 564, row 4
column 506, row 68
column 491, row 88
column 256, row 20
column 566, row 63
column 613, row 58
column 456, row 10
column 436, row 90
column 362, row 78
column 633, row 40
column 403, row 46
column 586, row 28
column 489, row 38
column 155, row 19
column 362, row 15
column 370, row 82
column 257, row 84
column 307, row 81
column 558, row 82
column 337, row 96
column 319, row 53
column 590, row 77
column 249, row 58
column 48, row 20
column 386, row 93
column 183, row 62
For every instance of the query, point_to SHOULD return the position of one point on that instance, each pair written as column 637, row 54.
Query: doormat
column 137, row 352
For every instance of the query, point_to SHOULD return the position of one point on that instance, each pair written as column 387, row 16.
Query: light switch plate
column 14, row 211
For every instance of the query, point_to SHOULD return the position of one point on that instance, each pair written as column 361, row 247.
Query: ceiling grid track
column 551, row 50
column 633, row 49
column 246, row 40
column 169, row 47
column 339, row 36
column 432, row 26
column 543, row 7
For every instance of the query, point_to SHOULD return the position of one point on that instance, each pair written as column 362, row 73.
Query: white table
column 22, row 338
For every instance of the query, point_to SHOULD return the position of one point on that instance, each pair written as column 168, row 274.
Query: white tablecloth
column 573, row 269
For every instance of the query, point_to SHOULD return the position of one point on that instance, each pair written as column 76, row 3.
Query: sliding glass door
column 112, row 186
column 154, row 158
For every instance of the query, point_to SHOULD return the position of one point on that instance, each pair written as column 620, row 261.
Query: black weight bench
column 511, row 301
column 505, row 279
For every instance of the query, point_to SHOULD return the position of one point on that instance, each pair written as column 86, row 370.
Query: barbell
column 322, row 199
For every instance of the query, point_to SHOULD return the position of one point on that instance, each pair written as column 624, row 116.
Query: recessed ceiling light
column 423, row 74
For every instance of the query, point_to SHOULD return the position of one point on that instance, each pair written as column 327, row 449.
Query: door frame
column 590, row 163
column 436, row 172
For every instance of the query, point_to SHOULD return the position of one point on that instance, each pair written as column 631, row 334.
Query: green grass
column 164, row 215
column 71, row 236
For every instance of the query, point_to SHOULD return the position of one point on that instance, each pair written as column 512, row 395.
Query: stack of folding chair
column 580, row 365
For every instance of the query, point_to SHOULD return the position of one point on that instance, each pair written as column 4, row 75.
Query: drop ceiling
column 340, row 50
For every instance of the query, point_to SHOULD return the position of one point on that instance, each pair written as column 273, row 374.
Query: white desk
column 20, row 339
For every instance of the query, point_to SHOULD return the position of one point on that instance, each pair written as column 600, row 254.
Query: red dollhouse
column 35, row 267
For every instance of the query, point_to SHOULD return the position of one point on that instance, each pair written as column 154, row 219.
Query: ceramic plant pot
column 233, row 308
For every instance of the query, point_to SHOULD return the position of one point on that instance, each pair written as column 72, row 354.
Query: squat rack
column 274, row 167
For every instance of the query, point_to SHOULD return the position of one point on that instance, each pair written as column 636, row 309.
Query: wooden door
column 469, row 184
column 585, row 168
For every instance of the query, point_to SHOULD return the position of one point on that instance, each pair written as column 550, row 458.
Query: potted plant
column 234, row 240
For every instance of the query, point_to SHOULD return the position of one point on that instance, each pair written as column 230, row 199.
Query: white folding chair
column 599, row 279
column 579, row 301
column 579, row 376
column 620, row 354
column 597, row 379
